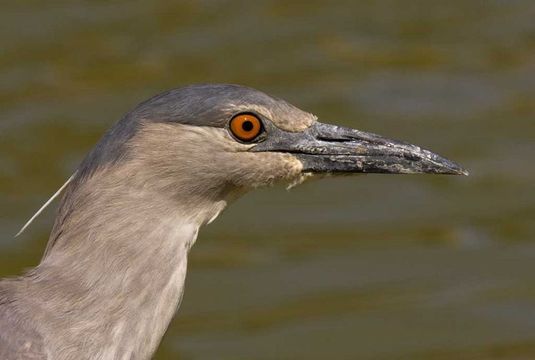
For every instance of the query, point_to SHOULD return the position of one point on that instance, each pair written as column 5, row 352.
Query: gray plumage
column 113, row 272
column 18, row 337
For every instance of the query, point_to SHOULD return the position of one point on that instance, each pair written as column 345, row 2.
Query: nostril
column 341, row 139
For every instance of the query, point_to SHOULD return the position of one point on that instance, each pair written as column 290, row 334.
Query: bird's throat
column 113, row 279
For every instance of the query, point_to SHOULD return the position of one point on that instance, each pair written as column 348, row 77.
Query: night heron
column 112, row 274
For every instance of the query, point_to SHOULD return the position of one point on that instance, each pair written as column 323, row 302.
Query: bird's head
column 210, row 141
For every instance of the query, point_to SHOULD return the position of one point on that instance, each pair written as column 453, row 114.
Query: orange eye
column 245, row 127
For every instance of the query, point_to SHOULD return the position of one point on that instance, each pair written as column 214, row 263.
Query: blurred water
column 371, row 267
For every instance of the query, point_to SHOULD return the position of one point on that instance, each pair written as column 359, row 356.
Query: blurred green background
column 367, row 267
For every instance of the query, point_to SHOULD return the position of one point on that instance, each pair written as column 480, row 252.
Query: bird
column 113, row 271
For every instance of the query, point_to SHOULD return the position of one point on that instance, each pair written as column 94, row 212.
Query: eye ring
column 245, row 127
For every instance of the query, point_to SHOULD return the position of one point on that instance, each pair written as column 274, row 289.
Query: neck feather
column 114, row 271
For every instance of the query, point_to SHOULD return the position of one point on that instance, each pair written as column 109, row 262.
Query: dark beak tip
column 459, row 171
column 456, row 169
column 446, row 166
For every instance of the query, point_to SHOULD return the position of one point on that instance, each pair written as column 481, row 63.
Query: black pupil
column 247, row 125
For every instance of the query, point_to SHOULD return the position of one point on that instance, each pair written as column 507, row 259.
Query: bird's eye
column 245, row 127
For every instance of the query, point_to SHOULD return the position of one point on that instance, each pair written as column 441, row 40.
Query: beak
column 324, row 148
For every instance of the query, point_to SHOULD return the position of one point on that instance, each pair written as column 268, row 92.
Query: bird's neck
column 114, row 271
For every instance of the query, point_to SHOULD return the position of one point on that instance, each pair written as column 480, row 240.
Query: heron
column 113, row 271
